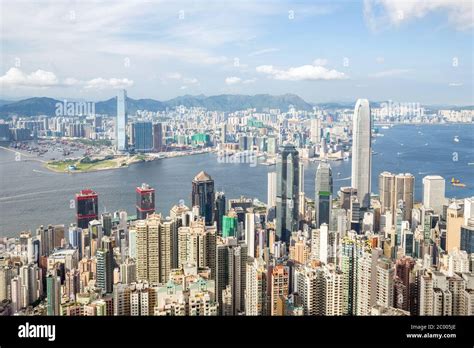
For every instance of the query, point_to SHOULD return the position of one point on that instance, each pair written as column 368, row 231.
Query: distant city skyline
column 322, row 52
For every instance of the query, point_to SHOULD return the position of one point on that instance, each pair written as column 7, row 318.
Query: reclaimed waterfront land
column 81, row 166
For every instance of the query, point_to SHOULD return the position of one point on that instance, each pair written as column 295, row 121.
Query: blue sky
column 406, row 51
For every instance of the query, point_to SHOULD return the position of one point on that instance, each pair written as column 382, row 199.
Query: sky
column 405, row 51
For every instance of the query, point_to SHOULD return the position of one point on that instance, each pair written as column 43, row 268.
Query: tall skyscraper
column 315, row 130
column 153, row 238
column 256, row 302
column 397, row 192
column 145, row 201
column 362, row 152
column 53, row 286
column 323, row 196
column 386, row 191
column 231, row 260
column 87, row 207
column 197, row 245
column 454, row 222
column 467, row 237
column 279, row 289
column 143, row 136
column 105, row 266
column 121, row 123
column 203, row 195
column 271, row 189
column 434, row 192
column 404, row 194
column 158, row 137
column 229, row 224
column 287, row 192
column 219, row 210
column 250, row 232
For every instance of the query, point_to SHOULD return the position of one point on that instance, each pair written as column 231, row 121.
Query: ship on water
column 457, row 183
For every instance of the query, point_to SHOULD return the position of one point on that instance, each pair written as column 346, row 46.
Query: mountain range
column 224, row 102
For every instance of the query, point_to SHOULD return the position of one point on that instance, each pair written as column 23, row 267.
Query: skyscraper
column 287, row 192
column 231, row 260
column 53, row 285
column 397, row 192
column 454, row 221
column 362, row 152
column 467, row 237
column 315, row 130
column 143, row 136
column 121, row 123
column 203, row 195
column 145, row 201
column 250, row 232
column 433, row 192
column 105, row 266
column 158, row 137
column 323, row 196
column 404, row 192
column 219, row 210
column 386, row 191
column 279, row 289
column 271, row 189
column 87, row 207
column 229, row 224
column 148, row 253
column 256, row 287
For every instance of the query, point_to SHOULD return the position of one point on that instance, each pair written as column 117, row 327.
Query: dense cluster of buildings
column 351, row 252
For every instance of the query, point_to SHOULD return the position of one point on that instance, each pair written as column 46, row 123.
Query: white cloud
column 305, row 72
column 455, row 84
column 101, row 83
column 191, row 81
column 249, row 81
column 14, row 77
column 180, row 78
column 320, row 62
column 264, row 51
column 232, row 80
column 174, row 76
column 390, row 73
column 379, row 13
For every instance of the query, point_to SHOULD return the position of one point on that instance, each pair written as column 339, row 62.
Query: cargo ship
column 456, row 182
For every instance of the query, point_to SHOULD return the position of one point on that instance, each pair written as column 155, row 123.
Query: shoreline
column 47, row 164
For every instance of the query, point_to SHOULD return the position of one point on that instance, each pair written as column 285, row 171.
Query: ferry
column 457, row 182
column 456, row 139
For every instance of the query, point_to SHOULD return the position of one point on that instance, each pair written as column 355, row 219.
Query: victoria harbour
column 28, row 190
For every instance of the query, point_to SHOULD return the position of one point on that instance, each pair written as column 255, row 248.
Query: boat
column 457, row 182
column 456, row 139
column 385, row 127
